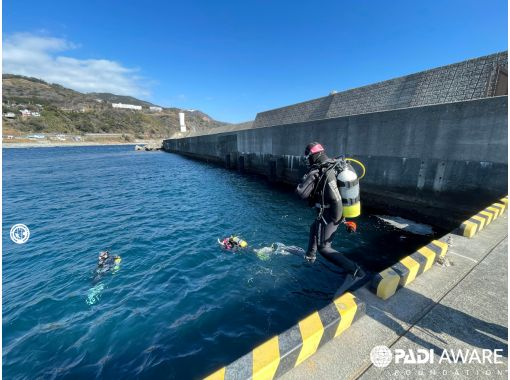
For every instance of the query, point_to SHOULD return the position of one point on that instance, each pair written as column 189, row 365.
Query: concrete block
column 476, row 223
column 287, row 350
column 385, row 284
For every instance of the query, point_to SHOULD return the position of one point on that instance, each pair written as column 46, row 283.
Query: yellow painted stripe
column 480, row 219
column 311, row 332
column 218, row 375
column 494, row 210
column 388, row 284
column 347, row 307
column 500, row 207
column 413, row 267
column 504, row 200
column 488, row 215
column 443, row 246
column 430, row 255
column 266, row 358
column 469, row 229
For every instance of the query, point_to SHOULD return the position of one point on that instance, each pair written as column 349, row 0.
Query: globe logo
column 19, row 233
column 381, row 356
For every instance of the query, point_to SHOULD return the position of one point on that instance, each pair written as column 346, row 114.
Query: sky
column 232, row 59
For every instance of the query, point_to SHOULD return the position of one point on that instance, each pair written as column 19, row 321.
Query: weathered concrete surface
column 457, row 307
column 472, row 79
column 427, row 159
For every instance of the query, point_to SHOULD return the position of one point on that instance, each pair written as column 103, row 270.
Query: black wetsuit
column 104, row 266
column 328, row 202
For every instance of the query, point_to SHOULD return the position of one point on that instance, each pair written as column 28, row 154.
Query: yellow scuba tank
column 348, row 185
column 240, row 242
column 116, row 263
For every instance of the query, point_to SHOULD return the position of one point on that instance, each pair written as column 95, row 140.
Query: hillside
column 63, row 110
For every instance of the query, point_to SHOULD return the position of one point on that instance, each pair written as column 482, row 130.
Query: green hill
column 63, row 110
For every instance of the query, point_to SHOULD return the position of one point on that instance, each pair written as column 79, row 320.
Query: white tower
column 181, row 122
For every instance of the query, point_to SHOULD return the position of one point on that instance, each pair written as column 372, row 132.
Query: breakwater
column 421, row 160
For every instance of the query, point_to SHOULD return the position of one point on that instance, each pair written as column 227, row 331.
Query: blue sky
column 234, row 59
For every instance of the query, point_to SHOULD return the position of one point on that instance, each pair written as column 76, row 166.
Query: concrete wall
column 433, row 157
column 472, row 79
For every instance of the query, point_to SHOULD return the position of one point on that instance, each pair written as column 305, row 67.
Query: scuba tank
column 346, row 179
column 348, row 185
column 240, row 242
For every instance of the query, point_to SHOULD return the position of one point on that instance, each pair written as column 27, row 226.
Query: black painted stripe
column 242, row 368
column 494, row 213
column 479, row 223
column 434, row 248
column 500, row 207
column 422, row 260
column 487, row 218
column 376, row 280
column 475, row 221
column 290, row 343
column 401, row 270
column 361, row 309
column 330, row 318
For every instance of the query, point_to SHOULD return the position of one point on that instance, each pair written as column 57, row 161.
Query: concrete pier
column 435, row 147
column 460, row 307
column 431, row 141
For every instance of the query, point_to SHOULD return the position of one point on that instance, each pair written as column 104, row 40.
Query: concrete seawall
column 467, row 80
column 420, row 159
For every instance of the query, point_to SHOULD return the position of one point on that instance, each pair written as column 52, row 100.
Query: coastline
column 63, row 145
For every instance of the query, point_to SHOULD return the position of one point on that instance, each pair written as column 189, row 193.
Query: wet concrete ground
column 463, row 306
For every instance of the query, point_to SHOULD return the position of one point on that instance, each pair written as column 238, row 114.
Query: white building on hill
column 155, row 109
column 126, row 106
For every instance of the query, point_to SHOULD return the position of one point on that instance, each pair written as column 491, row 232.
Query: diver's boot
column 310, row 256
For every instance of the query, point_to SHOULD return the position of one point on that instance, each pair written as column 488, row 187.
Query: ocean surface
column 179, row 306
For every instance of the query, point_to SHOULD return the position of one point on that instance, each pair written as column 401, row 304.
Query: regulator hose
column 360, row 164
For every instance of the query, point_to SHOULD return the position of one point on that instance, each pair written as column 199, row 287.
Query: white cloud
column 40, row 57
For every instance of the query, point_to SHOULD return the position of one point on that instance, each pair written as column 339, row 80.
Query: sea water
column 178, row 306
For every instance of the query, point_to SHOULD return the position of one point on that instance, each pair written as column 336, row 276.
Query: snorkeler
column 233, row 242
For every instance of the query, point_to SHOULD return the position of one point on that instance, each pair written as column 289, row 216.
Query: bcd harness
column 347, row 183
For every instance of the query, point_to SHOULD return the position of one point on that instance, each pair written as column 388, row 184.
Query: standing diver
column 319, row 187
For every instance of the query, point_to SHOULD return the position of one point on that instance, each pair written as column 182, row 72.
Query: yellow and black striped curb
column 476, row 223
column 386, row 283
column 285, row 351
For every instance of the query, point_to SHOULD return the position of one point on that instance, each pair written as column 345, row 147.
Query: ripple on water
column 180, row 306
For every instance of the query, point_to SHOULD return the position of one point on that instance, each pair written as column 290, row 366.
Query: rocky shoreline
column 149, row 147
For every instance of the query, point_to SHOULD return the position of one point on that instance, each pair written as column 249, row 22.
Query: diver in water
column 319, row 187
column 107, row 262
column 233, row 242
